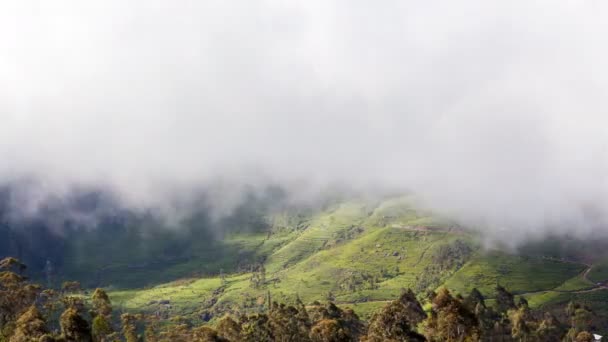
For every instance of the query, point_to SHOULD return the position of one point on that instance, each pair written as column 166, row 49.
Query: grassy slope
column 599, row 272
column 355, row 240
column 517, row 273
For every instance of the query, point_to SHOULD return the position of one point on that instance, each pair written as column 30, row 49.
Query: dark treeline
column 29, row 313
column 68, row 236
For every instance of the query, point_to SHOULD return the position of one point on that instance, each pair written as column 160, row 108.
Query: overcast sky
column 492, row 111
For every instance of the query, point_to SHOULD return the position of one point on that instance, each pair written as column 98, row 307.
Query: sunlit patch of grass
column 350, row 241
column 577, row 283
column 517, row 273
column 599, row 272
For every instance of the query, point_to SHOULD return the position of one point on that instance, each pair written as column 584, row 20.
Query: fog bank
column 493, row 113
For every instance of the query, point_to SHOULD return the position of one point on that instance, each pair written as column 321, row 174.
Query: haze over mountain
column 492, row 113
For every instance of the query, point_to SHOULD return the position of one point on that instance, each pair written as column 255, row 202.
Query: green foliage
column 288, row 323
column 549, row 328
column 13, row 265
column 101, row 302
column 16, row 296
column 71, row 287
column 505, row 300
column 329, row 330
column 451, row 320
column 229, row 329
column 100, row 328
column 523, row 323
column 335, row 324
column 255, row 328
column 74, row 328
column 599, row 272
column 581, row 319
column 358, row 254
column 29, row 327
column 397, row 321
column 584, row 336
column 129, row 327
column 578, row 283
column 518, row 273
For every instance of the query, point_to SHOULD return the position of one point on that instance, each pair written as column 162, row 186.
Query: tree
column 581, row 319
column 329, row 330
column 48, row 338
column 151, row 333
column 549, row 328
column 71, row 287
column 352, row 324
column 397, row 320
column 206, row 334
column 285, row 324
column 584, row 336
column 74, row 328
column 16, row 294
column 504, row 300
column 304, row 323
column 521, row 321
column 184, row 333
column 12, row 265
column 74, row 302
column 474, row 299
column 489, row 321
column 229, row 329
column 176, row 333
column 129, row 327
column 255, row 328
column 490, row 324
column 101, row 328
column 349, row 326
column 101, row 302
column 450, row 319
column 29, row 327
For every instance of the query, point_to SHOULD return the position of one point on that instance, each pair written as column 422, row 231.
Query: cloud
column 494, row 113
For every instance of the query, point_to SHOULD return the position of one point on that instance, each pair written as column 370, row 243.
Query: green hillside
column 361, row 254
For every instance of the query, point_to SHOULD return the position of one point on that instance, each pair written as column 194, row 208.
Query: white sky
column 494, row 111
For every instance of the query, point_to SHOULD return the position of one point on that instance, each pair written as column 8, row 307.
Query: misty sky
column 492, row 111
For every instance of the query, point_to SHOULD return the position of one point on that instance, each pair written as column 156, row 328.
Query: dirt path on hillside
column 598, row 286
column 584, row 275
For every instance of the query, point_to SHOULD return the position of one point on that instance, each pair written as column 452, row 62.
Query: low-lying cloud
column 494, row 113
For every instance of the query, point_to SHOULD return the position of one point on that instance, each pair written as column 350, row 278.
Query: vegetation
column 356, row 257
column 449, row 318
column 599, row 272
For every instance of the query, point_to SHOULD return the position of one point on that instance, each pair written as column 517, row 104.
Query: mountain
column 359, row 253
